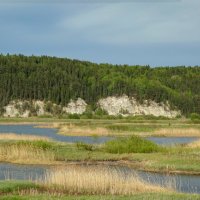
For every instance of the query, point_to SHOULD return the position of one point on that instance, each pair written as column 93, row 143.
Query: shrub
column 74, row 116
column 81, row 145
column 40, row 144
column 194, row 116
column 100, row 112
column 133, row 144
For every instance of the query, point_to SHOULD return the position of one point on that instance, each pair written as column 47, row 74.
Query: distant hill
column 59, row 80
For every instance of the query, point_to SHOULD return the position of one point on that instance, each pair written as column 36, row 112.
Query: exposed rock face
column 129, row 106
column 19, row 108
column 112, row 105
column 76, row 107
column 23, row 108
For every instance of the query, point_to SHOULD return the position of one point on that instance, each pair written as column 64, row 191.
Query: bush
column 133, row 144
column 74, row 116
column 194, row 116
column 100, row 112
column 81, row 145
column 44, row 145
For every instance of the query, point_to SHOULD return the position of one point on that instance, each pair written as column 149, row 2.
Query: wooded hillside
column 59, row 80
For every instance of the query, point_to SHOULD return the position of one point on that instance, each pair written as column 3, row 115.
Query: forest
column 61, row 79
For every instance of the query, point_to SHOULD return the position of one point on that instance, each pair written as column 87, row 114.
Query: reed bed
column 195, row 144
column 13, row 136
column 72, row 129
column 26, row 153
column 176, row 132
column 96, row 181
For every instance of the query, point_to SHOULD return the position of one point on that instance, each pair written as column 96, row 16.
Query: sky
column 133, row 32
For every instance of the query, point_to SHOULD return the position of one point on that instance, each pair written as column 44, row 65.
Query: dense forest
column 60, row 79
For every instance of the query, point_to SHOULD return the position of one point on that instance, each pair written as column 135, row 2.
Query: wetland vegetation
column 129, row 147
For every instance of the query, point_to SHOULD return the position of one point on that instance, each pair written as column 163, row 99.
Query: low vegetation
column 133, row 144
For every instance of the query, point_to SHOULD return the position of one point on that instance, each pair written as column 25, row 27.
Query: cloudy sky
column 154, row 32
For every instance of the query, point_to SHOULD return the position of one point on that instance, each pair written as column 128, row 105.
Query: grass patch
column 133, row 144
column 16, row 186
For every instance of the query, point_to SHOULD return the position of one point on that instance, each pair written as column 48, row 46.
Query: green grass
column 135, row 197
column 12, row 190
column 133, row 144
column 14, row 186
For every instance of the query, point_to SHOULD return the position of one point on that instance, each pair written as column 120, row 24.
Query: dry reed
column 195, row 144
column 13, row 136
column 176, row 132
column 25, row 154
column 96, row 180
column 71, row 129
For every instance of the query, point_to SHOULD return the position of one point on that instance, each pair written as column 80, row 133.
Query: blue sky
column 154, row 32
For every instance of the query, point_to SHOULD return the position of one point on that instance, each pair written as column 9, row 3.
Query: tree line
column 61, row 79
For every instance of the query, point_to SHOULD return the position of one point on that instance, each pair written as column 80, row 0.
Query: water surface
column 182, row 183
column 52, row 133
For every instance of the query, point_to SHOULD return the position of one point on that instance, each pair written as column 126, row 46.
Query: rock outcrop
column 76, row 107
column 122, row 105
column 25, row 108
column 125, row 106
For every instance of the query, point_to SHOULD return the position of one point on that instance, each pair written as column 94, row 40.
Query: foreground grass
column 154, row 196
column 17, row 190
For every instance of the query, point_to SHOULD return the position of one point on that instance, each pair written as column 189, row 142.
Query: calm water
column 172, row 140
column 52, row 133
column 21, row 172
column 182, row 183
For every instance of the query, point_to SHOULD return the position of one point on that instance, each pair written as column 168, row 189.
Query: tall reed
column 175, row 132
column 13, row 136
column 26, row 152
column 96, row 180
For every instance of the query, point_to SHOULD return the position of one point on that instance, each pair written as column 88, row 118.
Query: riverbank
column 28, row 191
